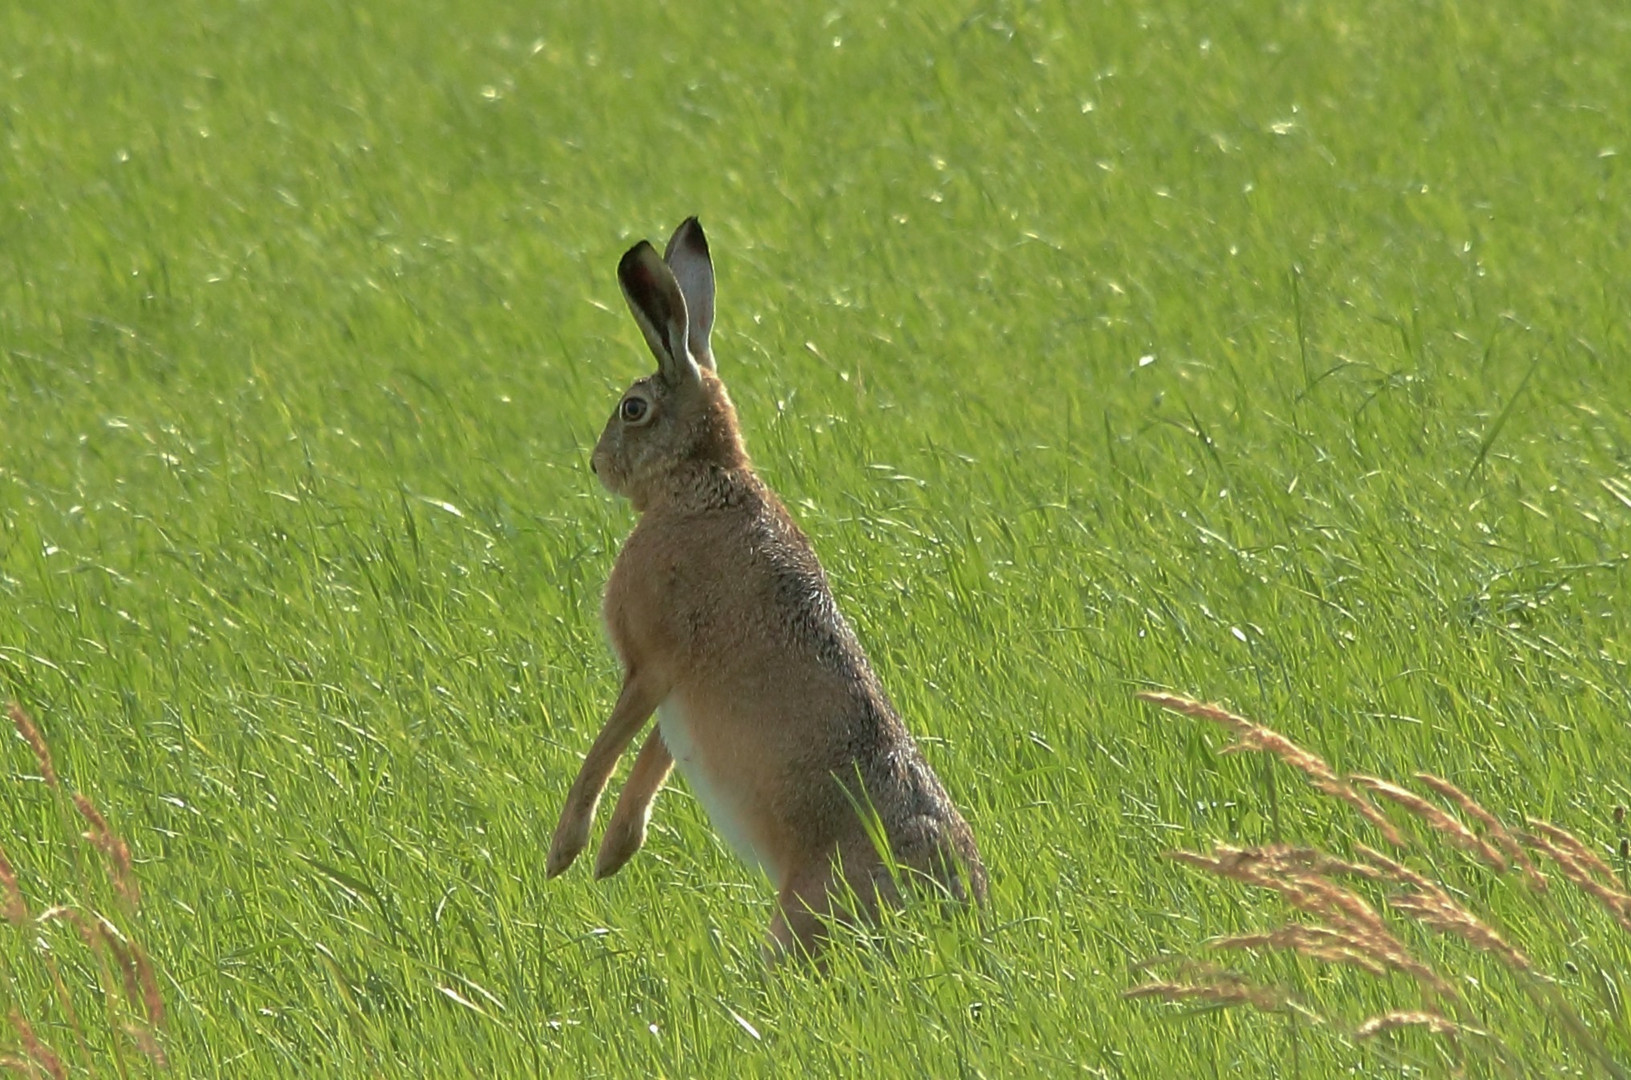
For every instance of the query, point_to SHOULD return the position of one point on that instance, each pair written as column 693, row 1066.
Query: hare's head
column 670, row 426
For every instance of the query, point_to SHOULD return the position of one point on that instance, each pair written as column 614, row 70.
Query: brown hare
column 726, row 627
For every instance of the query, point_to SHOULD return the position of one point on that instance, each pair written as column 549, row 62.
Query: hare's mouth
column 610, row 476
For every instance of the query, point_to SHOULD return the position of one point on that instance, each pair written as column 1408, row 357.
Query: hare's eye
column 633, row 410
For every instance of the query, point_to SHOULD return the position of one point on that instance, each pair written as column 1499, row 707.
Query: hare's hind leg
column 830, row 889
column 634, row 706
column 627, row 829
column 804, row 903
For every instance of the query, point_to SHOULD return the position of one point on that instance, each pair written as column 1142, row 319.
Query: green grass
column 1277, row 353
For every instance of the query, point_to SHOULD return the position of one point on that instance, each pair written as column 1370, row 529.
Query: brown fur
column 718, row 610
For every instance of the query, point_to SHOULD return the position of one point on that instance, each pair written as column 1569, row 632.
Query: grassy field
column 1277, row 353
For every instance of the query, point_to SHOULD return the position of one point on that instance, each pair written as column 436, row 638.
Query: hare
column 726, row 628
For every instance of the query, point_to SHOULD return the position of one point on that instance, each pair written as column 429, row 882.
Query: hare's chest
column 709, row 774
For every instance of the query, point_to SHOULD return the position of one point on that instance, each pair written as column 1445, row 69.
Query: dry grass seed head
column 1289, row 858
column 1350, row 914
column 1198, row 709
column 147, row 1043
column 1616, row 902
column 1262, row 998
column 1225, row 861
column 1434, row 908
column 1342, row 906
column 1320, row 943
column 1281, row 870
column 99, row 832
column 1503, row 837
column 38, row 1052
column 1437, row 911
column 16, row 910
column 82, row 926
column 1254, row 736
column 1436, row 819
column 1566, row 840
column 107, row 936
column 1340, row 790
column 111, row 845
column 36, row 742
column 152, row 1001
column 1266, row 867
column 1343, row 910
column 1393, row 871
column 1430, row 1022
column 1269, row 741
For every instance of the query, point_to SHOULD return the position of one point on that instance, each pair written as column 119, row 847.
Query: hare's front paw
column 623, row 838
column 571, row 837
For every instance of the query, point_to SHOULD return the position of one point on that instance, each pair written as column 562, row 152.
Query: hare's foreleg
column 634, row 706
column 627, row 829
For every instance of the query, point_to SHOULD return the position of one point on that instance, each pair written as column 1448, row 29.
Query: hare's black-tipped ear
column 659, row 307
column 687, row 256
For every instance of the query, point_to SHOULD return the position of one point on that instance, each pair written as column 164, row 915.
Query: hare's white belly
column 724, row 807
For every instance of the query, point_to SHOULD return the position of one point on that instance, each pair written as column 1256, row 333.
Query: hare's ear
column 659, row 307
column 687, row 256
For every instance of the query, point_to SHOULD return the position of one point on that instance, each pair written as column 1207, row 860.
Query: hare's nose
column 592, row 467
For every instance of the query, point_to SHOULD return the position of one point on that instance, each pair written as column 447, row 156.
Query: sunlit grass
column 1273, row 353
